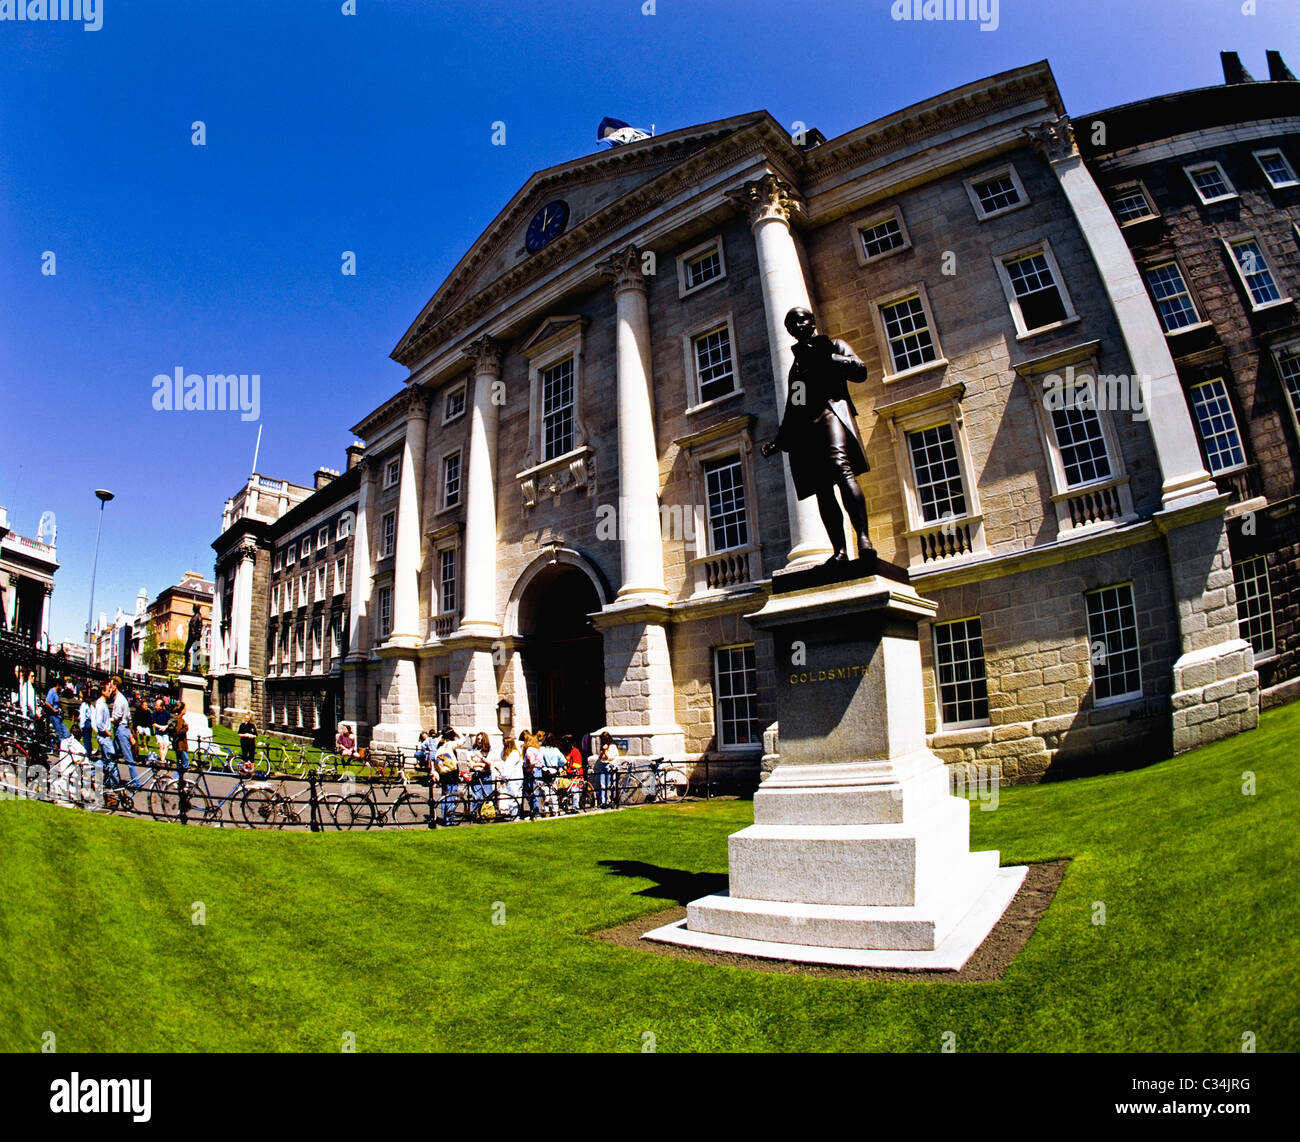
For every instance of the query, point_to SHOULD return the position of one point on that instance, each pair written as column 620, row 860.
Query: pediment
column 589, row 186
column 551, row 330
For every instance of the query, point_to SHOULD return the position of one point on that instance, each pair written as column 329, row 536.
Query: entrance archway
column 563, row 653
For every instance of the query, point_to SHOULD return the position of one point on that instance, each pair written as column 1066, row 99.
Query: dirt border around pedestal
column 990, row 961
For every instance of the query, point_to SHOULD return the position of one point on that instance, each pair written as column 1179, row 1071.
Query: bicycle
column 201, row 802
column 364, row 811
column 276, row 808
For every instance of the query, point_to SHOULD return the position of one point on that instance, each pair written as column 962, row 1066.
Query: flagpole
column 257, row 448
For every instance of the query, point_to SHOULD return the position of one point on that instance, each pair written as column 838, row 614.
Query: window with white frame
column 340, row 574
column 713, row 364
column 881, row 235
column 960, row 675
column 1253, row 268
column 1276, row 169
column 1131, row 204
column 302, row 590
column 1172, row 297
column 557, row 402
column 724, row 491
column 906, row 325
column 735, row 689
column 1217, row 425
column 344, row 528
column 291, row 554
column 279, row 561
column 336, row 634
column 320, row 581
column 300, row 638
column 1113, row 644
column 1080, row 438
column 316, row 640
column 1288, row 368
column 446, row 580
column 306, row 546
column 454, row 404
column 275, row 600
column 937, row 474
column 1035, row 290
column 392, row 473
column 451, row 480
column 996, row 193
column 388, row 535
column 323, row 537
column 700, row 266
column 385, row 611
column 442, row 699
column 1254, row 605
column 1210, row 182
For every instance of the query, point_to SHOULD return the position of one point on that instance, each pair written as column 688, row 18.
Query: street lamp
column 104, row 496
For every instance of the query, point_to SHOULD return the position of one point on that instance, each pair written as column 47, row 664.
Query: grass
column 391, row 936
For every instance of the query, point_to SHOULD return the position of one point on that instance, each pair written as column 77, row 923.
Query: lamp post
column 104, row 496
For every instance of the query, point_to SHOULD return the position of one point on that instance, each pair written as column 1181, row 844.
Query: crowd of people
column 538, row 774
column 111, row 725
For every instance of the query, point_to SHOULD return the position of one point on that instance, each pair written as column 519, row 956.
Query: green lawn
column 391, row 936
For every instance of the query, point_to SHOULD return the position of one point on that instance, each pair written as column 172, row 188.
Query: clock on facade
column 547, row 225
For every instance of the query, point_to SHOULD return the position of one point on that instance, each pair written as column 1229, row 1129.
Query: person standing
column 160, row 718
column 103, row 722
column 121, row 713
column 573, row 771
column 180, row 735
column 606, row 760
column 54, row 712
column 247, row 738
column 480, row 768
column 512, row 777
column 86, row 720
column 27, row 695
column 448, row 770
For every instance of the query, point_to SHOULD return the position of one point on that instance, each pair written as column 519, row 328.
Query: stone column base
column 1216, row 694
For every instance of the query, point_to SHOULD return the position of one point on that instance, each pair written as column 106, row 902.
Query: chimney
column 324, row 476
column 1277, row 68
column 1233, row 71
column 356, row 450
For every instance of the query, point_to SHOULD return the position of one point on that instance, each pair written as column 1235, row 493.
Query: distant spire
column 1277, row 68
column 1233, row 69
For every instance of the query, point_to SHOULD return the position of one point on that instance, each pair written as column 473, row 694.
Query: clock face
column 547, row 225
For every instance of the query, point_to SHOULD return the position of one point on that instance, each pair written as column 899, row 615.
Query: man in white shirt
column 102, row 719
column 121, row 713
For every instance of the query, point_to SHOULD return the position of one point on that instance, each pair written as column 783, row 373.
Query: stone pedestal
column 858, row 855
column 192, row 691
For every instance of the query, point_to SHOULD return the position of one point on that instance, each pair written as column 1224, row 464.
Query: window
column 736, row 694
column 275, row 600
column 724, row 488
column 905, row 324
column 1288, row 367
column 699, row 266
column 299, row 640
column 1254, row 605
column 454, row 405
column 336, row 635
column 959, row 672
column 392, row 473
column 1113, row 644
column 442, row 699
column 385, row 611
column 340, row 574
column 1276, row 169
column 1210, row 182
column 995, row 193
column 447, row 579
column 1080, row 439
column 1252, row 266
column 451, row 480
column 557, row 409
column 344, row 528
column 306, row 546
column 302, row 591
column 879, row 236
column 388, row 535
column 279, row 561
column 323, row 537
column 291, row 708
column 937, row 473
column 320, row 582
column 712, row 364
column 316, row 639
column 1217, row 425
column 291, row 555
column 1172, row 298
column 1131, row 205
column 1032, row 280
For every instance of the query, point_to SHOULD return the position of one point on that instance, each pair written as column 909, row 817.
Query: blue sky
column 372, row 133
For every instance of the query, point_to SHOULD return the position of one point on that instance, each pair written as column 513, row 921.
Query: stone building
column 1204, row 186
column 564, row 518
column 27, row 568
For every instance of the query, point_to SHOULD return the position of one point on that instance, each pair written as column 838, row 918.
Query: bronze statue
column 195, row 633
column 819, row 431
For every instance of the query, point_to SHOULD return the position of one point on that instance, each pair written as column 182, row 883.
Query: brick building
column 564, row 518
column 1204, row 186
column 170, row 614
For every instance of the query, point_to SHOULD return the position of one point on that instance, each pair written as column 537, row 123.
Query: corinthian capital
column 1054, row 139
column 625, row 269
column 486, row 355
column 417, row 404
column 767, row 197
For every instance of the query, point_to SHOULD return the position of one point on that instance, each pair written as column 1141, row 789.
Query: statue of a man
column 820, row 433
column 191, row 642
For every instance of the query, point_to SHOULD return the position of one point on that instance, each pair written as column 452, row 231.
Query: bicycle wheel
column 328, row 814
column 673, row 785
column 355, row 812
column 408, row 809
column 258, row 809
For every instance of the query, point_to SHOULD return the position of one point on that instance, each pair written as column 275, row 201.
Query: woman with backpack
column 447, row 768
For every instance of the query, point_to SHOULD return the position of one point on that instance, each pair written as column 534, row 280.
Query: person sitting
column 345, row 744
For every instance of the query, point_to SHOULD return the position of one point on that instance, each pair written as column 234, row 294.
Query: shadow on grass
column 673, row 884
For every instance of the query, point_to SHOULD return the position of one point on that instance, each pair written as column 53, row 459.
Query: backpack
column 173, row 726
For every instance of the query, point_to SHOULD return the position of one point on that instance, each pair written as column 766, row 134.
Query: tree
column 149, row 650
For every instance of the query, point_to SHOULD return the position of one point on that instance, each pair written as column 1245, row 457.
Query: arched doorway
column 562, row 651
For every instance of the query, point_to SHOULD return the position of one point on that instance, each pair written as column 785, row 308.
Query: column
column 45, row 616
column 243, row 605
column 478, row 567
column 406, row 562
column 1185, row 480
column 640, row 540
column 359, row 594
column 770, row 204
column 218, row 641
